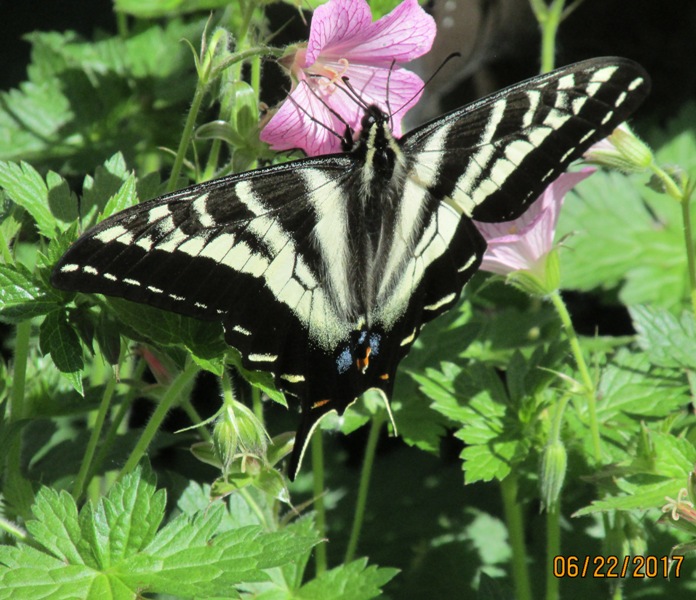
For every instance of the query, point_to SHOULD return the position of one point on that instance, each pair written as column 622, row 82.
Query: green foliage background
column 82, row 139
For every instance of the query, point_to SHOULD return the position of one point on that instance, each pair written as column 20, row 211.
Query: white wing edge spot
column 145, row 243
column 549, row 173
column 635, row 84
column 154, row 290
column 567, row 154
column 467, row 264
column 409, row 338
column 588, row 135
column 263, row 357
column 90, row 270
column 200, row 305
column 71, row 268
column 621, row 99
column 441, row 302
column 240, row 329
column 110, row 277
column 177, row 298
column 292, row 378
column 130, row 281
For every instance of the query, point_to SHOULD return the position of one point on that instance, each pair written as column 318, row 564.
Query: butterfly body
column 324, row 270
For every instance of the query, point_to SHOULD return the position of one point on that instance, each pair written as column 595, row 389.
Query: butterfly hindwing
column 323, row 271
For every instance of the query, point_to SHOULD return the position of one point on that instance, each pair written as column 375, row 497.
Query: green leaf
column 85, row 101
column 108, row 181
column 124, row 198
column 476, row 398
column 668, row 341
column 629, row 384
column 617, row 242
column 152, row 9
column 59, row 339
column 353, row 581
column 26, row 187
column 116, row 549
column 23, row 297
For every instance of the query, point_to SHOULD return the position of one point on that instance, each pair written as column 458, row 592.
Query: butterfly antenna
column 312, row 118
column 389, row 110
column 352, row 93
column 444, row 62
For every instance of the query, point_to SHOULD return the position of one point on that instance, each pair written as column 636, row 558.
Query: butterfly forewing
column 324, row 270
column 495, row 157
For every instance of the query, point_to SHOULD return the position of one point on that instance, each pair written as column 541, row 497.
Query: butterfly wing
column 494, row 157
column 256, row 251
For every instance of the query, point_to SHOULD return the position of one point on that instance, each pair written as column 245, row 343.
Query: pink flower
column 525, row 243
column 344, row 42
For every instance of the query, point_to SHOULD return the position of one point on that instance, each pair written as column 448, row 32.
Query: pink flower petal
column 345, row 30
column 521, row 244
column 292, row 127
column 405, row 33
column 335, row 22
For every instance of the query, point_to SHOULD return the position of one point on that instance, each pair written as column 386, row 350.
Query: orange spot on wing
column 384, row 376
column 320, row 403
column 363, row 363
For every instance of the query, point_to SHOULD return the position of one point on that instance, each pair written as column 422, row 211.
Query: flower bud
column 554, row 463
column 622, row 150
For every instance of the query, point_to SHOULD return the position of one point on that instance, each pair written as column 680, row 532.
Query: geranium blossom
column 344, row 42
column 523, row 244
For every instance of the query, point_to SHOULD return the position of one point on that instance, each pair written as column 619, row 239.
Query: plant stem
column 168, row 400
column 514, row 520
column 206, row 77
column 689, row 242
column 19, row 409
column 364, row 487
column 588, row 384
column 186, row 135
column 117, row 421
column 549, row 18
column 97, row 427
column 318, row 472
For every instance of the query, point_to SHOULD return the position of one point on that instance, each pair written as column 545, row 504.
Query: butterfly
column 324, row 270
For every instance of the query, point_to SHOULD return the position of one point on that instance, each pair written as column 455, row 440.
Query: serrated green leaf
column 27, row 574
column 115, row 549
column 23, row 184
column 124, row 198
column 476, row 398
column 55, row 525
column 645, row 260
column 668, row 341
column 108, row 181
column 354, row 581
column 154, row 325
column 124, row 522
column 629, row 384
column 84, row 101
column 22, row 296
